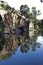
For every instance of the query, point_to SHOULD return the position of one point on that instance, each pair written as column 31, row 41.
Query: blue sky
column 17, row 3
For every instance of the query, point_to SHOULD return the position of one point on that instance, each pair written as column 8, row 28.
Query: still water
column 21, row 49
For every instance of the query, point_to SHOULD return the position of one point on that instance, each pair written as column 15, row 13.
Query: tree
column 24, row 9
column 35, row 13
column 25, row 48
column 5, row 6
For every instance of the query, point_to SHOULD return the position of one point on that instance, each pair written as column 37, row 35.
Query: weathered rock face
column 9, row 19
column 31, row 26
column 22, row 22
column 8, row 22
column 13, row 20
column 31, row 29
column 2, row 12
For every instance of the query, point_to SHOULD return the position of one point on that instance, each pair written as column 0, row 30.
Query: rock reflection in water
column 12, row 42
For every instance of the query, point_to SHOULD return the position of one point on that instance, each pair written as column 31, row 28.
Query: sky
column 31, row 3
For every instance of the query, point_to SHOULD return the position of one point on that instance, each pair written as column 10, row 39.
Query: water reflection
column 29, row 44
column 9, row 44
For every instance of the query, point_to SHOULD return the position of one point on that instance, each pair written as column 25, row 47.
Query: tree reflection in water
column 9, row 44
column 29, row 44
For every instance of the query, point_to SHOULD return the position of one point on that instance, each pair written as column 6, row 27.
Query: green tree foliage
column 35, row 13
column 5, row 6
column 24, row 9
column 25, row 48
column 29, row 44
